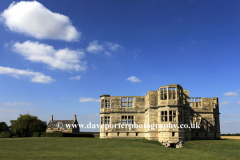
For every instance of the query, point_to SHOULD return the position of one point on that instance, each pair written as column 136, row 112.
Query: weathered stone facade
column 169, row 105
column 60, row 125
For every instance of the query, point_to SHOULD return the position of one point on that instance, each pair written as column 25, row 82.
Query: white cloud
column 193, row 42
column 9, row 110
column 10, row 113
column 34, row 76
column 94, row 47
column 238, row 102
column 84, row 99
column 233, row 115
column 112, row 46
column 227, row 122
column 230, row 94
column 230, row 115
column 94, row 67
column 75, row 78
column 135, row 56
column 16, row 104
column 63, row 59
column 133, row 79
column 108, row 54
column 33, row 19
column 6, row 45
column 230, row 122
column 90, row 116
column 224, row 103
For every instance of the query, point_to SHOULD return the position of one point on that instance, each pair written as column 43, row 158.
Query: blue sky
column 57, row 57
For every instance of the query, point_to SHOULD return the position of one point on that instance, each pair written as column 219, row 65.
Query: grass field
column 95, row 148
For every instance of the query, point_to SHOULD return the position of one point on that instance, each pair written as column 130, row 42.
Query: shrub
column 231, row 134
column 36, row 134
column 77, row 135
column 61, row 134
column 57, row 134
column 49, row 134
column 44, row 134
column 5, row 135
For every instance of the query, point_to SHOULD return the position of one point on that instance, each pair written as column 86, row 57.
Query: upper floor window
column 107, row 103
column 124, row 102
column 127, row 102
column 130, row 102
column 179, row 94
column 163, row 93
column 171, row 93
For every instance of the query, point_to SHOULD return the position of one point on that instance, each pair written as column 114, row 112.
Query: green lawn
column 95, row 148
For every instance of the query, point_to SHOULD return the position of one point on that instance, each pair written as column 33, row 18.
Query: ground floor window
column 164, row 116
column 127, row 119
column 105, row 120
column 172, row 116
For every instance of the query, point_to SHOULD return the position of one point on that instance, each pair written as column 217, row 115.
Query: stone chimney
column 75, row 117
column 51, row 117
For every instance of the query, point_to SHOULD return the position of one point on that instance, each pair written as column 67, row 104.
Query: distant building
column 169, row 104
column 61, row 125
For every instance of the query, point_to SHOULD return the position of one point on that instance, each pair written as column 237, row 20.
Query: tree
column 26, row 124
column 3, row 127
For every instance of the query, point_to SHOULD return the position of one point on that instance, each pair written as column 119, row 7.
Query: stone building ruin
column 169, row 105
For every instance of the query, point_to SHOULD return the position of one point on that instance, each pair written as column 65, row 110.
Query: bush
column 44, row 134
column 25, row 134
column 61, row 134
column 57, row 134
column 77, row 135
column 229, row 134
column 49, row 134
column 36, row 134
column 5, row 135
